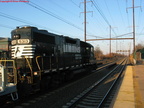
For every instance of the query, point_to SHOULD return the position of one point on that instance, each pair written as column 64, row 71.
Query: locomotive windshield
column 21, row 36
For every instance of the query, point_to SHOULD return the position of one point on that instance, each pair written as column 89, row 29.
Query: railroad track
column 100, row 94
column 61, row 95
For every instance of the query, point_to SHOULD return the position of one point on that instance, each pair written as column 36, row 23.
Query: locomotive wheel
column 4, row 99
column 63, row 74
column 56, row 80
column 69, row 75
column 45, row 83
column 89, row 68
column 24, row 89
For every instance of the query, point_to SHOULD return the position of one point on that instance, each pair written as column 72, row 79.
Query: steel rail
column 109, row 90
column 76, row 100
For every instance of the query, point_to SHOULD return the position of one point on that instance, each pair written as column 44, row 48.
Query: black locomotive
column 43, row 58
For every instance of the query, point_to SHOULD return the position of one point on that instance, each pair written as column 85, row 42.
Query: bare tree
column 139, row 46
column 98, row 53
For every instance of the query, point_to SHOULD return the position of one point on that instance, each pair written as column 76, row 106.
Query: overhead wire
column 100, row 11
column 139, row 17
column 120, row 12
column 6, row 26
column 104, row 17
column 34, row 5
column 75, row 4
column 98, row 22
column 139, row 20
column 25, row 22
column 79, row 6
column 61, row 7
column 13, row 18
column 127, row 15
column 123, row 35
column 96, row 36
column 102, row 14
column 109, row 11
column 89, row 18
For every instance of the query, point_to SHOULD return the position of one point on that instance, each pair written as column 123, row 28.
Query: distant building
column 4, row 47
column 4, row 43
column 140, row 54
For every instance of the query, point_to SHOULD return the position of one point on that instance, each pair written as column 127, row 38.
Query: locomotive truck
column 41, row 59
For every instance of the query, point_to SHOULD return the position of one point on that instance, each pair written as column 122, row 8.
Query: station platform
column 131, row 92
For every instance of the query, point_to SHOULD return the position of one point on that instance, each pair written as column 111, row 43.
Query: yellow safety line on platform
column 125, row 97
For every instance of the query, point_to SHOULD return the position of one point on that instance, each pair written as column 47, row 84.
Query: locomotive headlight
column 13, row 42
column 35, row 73
column 23, row 41
column 1, row 89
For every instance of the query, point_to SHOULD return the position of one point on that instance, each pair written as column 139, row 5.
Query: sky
column 66, row 17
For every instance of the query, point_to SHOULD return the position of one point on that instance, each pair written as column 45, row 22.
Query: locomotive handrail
column 4, row 61
column 30, row 69
column 38, row 65
column 14, row 67
column 50, row 63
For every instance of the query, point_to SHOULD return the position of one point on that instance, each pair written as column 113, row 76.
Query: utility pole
column 133, row 26
column 85, row 20
column 110, row 40
column 133, row 16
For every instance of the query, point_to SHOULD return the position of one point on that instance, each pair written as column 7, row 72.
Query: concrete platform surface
column 125, row 97
column 131, row 92
column 138, row 76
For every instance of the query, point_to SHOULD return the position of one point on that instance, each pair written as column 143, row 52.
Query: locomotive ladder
column 30, row 69
column 38, row 66
column 28, row 62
